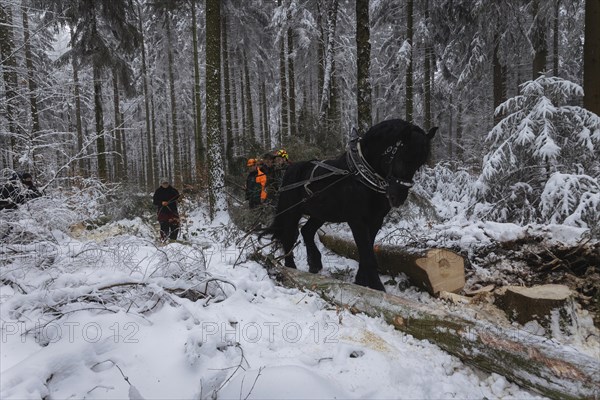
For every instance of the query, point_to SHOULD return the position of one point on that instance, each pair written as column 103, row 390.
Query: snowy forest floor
column 108, row 313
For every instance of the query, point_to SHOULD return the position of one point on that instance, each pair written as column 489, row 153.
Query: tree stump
column 434, row 270
column 524, row 304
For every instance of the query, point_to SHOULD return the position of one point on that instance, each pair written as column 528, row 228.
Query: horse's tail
column 288, row 209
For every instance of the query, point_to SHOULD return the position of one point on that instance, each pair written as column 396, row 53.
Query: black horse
column 360, row 187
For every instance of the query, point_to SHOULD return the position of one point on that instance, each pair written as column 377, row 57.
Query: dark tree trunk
column 216, row 177
column 198, row 140
column 150, row 139
column 100, row 134
column 409, row 68
column 177, row 173
column 428, row 75
column 250, row 130
column 119, row 156
column 291, row 84
column 555, row 37
column 285, row 121
column 363, row 63
column 229, row 139
column 591, row 57
column 538, row 39
column 78, row 122
column 499, row 79
column 9, row 71
column 35, row 120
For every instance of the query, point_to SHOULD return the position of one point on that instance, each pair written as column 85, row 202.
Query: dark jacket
column 29, row 192
column 253, row 189
column 169, row 194
column 9, row 196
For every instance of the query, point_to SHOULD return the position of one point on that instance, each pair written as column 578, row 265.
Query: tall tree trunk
column 320, row 51
column 149, row 132
column 235, row 126
column 591, row 57
column 555, row 38
column 265, row 119
column 291, row 83
column 285, row 121
column 334, row 111
column 363, row 63
column 250, row 130
column 177, row 176
column 155, row 159
column 35, row 120
column 216, row 170
column 330, row 52
column 198, row 140
column 78, row 123
column 99, row 114
column 499, row 78
column 459, row 131
column 118, row 148
column 9, row 74
column 427, row 74
column 409, row 68
column 451, row 143
column 538, row 39
column 229, row 139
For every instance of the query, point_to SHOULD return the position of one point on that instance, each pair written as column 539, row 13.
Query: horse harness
column 359, row 167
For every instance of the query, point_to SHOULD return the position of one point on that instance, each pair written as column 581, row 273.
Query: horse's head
column 396, row 150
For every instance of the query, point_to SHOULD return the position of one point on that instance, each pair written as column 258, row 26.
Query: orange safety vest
column 261, row 178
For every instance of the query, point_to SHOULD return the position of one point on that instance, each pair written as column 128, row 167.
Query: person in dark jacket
column 253, row 187
column 10, row 193
column 30, row 191
column 165, row 199
column 280, row 164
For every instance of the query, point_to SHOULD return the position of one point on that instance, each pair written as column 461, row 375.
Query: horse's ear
column 432, row 132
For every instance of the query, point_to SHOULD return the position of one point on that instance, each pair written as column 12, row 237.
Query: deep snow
column 251, row 339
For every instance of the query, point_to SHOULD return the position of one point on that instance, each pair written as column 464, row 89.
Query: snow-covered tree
column 543, row 161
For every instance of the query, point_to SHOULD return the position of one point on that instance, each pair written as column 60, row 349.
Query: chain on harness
column 366, row 175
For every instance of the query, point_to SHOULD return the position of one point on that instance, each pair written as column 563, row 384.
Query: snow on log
column 541, row 303
column 434, row 270
column 531, row 361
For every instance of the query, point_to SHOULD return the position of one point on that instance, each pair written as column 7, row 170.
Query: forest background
column 190, row 89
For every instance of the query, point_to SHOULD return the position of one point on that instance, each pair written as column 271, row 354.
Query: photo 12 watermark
column 71, row 331
column 271, row 332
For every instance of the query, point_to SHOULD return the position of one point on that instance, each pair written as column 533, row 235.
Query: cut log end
column 524, row 304
column 445, row 270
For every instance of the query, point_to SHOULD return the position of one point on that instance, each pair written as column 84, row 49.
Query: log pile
column 530, row 361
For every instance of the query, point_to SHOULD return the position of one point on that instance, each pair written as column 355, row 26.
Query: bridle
column 366, row 174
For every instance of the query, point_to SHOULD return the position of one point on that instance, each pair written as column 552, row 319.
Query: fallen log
column 530, row 361
column 434, row 270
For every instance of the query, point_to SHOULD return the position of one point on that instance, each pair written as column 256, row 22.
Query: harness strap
column 333, row 171
column 359, row 166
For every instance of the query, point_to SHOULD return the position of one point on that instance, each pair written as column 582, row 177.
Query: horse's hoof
column 374, row 283
column 314, row 270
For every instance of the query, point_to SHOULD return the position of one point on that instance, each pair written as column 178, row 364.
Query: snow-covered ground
column 100, row 314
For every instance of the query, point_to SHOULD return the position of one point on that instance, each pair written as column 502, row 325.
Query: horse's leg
column 367, row 274
column 313, row 255
column 288, row 238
